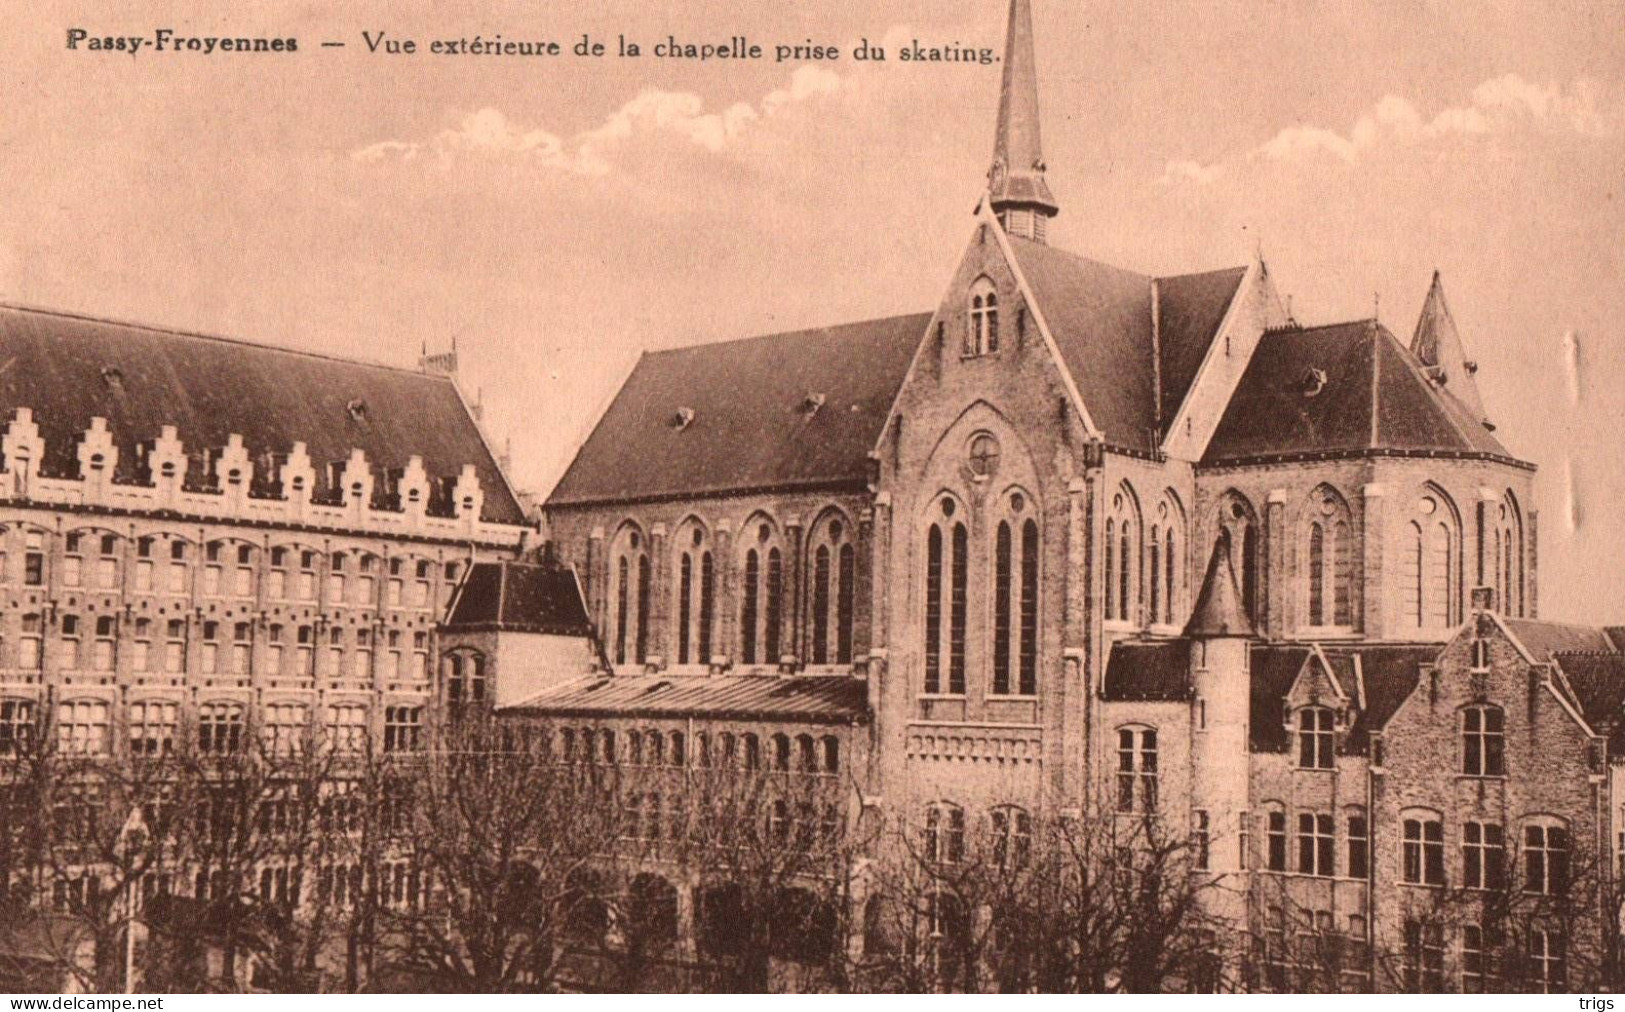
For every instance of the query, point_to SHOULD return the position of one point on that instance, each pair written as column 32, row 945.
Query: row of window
column 1014, row 579
column 1482, row 740
column 217, row 655
column 1312, row 849
column 830, row 586
column 93, row 561
column 1484, row 947
column 154, row 727
column 802, row 753
column 1010, row 835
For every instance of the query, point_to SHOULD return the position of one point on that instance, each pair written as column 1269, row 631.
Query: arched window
column 762, row 596
column 1137, row 769
column 629, row 624
column 1015, row 600
column 1431, row 563
column 1421, row 847
column 1162, row 568
column 946, row 578
column 1328, row 570
column 1012, row 838
column 944, row 841
column 1238, row 519
column 464, row 674
column 1124, row 591
column 696, row 597
column 1506, row 559
column 832, row 579
column 982, row 334
column 1483, row 741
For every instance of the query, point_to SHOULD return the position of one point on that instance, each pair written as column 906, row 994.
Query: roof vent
column 1314, row 381
column 113, row 377
column 682, row 419
column 811, row 403
column 357, row 409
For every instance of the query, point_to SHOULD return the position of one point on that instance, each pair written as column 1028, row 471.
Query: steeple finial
column 1017, row 191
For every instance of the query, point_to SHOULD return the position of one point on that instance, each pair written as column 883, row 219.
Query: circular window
column 1427, row 505
column 1238, row 511
column 947, row 507
column 1328, row 506
column 762, row 534
column 984, row 455
column 699, row 537
column 1018, row 502
column 835, row 530
column 635, row 539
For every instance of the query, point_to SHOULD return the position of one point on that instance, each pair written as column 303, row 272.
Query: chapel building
column 1084, row 542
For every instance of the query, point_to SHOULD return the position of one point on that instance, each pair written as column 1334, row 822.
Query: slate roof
column 1148, row 672
column 1388, row 674
column 518, row 597
column 1598, row 682
column 68, row 369
column 1218, row 610
column 833, row 699
column 1543, row 639
column 751, row 427
column 1374, row 397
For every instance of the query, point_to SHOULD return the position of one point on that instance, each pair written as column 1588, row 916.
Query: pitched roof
column 833, row 699
column 1543, row 639
column 1148, row 672
column 1100, row 317
column 1598, row 681
column 519, row 597
column 1218, row 610
column 753, row 425
column 1347, row 387
column 1389, row 673
column 69, row 369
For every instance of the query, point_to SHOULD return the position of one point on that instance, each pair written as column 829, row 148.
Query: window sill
column 1498, row 777
column 952, row 696
column 1117, row 625
column 1012, row 697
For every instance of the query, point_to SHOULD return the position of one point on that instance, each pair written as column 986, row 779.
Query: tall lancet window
column 947, row 571
column 630, row 622
column 696, row 598
column 831, row 578
column 982, row 335
column 1432, row 571
column 1015, row 600
column 1124, row 586
column 1328, row 571
column 1238, row 519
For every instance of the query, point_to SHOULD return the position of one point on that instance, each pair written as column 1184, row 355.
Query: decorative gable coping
column 227, row 490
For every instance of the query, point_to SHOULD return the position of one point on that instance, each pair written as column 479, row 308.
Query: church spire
column 1016, row 188
column 1441, row 349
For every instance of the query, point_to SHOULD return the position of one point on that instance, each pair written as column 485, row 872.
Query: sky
column 556, row 216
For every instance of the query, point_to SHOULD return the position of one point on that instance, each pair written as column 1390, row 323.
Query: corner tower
column 1017, row 192
column 1220, row 637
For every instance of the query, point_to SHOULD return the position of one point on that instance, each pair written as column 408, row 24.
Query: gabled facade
column 1077, row 517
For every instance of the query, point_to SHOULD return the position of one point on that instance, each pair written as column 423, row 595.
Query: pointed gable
column 1218, row 610
column 1190, row 310
column 1441, row 349
column 784, row 411
column 1343, row 388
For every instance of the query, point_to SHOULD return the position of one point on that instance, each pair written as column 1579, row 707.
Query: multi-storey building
column 211, row 538
column 1087, row 541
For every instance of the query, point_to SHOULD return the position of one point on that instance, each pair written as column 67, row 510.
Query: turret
column 1017, row 191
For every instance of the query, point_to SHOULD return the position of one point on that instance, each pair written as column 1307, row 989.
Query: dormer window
column 982, row 336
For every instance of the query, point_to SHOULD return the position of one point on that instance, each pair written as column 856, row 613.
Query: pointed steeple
column 1218, row 610
column 1443, row 351
column 1016, row 188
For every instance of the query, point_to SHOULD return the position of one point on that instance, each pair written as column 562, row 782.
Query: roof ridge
column 1079, row 256
column 676, row 349
column 199, row 335
column 1199, row 274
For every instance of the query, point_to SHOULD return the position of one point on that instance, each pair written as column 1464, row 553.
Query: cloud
column 1190, row 172
column 653, row 112
column 1500, row 105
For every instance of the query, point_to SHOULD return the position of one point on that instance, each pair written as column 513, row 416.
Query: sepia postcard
column 981, row 496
